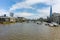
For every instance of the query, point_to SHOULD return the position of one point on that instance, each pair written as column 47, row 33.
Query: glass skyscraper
column 50, row 10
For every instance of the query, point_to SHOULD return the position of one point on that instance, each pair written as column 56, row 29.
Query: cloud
column 23, row 14
column 56, row 6
column 2, row 12
column 43, row 12
column 27, row 15
column 27, row 4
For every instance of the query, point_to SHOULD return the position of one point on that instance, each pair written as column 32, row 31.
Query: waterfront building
column 7, row 19
column 4, row 19
column 12, row 19
column 56, row 17
column 20, row 19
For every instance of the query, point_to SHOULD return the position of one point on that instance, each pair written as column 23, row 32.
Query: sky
column 29, row 8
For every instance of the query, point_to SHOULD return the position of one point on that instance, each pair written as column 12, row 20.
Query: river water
column 28, row 31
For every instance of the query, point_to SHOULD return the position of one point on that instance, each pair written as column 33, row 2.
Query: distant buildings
column 12, row 19
column 5, row 18
column 11, row 14
column 20, row 19
column 56, row 17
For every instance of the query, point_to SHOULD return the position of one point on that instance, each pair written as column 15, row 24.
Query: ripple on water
column 29, row 31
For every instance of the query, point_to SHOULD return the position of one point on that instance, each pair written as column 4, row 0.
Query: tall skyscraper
column 50, row 13
column 51, row 3
column 50, row 10
column 11, row 14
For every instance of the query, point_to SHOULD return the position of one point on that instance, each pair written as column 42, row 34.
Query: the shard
column 50, row 10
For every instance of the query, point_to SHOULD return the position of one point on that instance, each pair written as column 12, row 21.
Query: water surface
column 28, row 31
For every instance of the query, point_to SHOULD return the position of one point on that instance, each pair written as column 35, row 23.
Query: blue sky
column 26, row 8
column 6, row 4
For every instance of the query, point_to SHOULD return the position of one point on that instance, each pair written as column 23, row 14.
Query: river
column 28, row 31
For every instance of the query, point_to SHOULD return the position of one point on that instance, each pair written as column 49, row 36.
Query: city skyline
column 29, row 8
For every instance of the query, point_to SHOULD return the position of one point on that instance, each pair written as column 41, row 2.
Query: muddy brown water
column 28, row 31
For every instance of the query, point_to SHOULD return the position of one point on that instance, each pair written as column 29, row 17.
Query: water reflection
column 29, row 31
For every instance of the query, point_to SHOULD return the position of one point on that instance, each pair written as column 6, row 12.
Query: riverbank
column 7, row 22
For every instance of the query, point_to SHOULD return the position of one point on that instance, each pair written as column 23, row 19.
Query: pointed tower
column 51, row 11
column 51, row 3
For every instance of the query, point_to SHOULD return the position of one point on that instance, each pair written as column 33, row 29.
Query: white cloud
column 27, row 15
column 27, row 4
column 43, row 12
column 56, row 6
column 2, row 12
column 23, row 14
